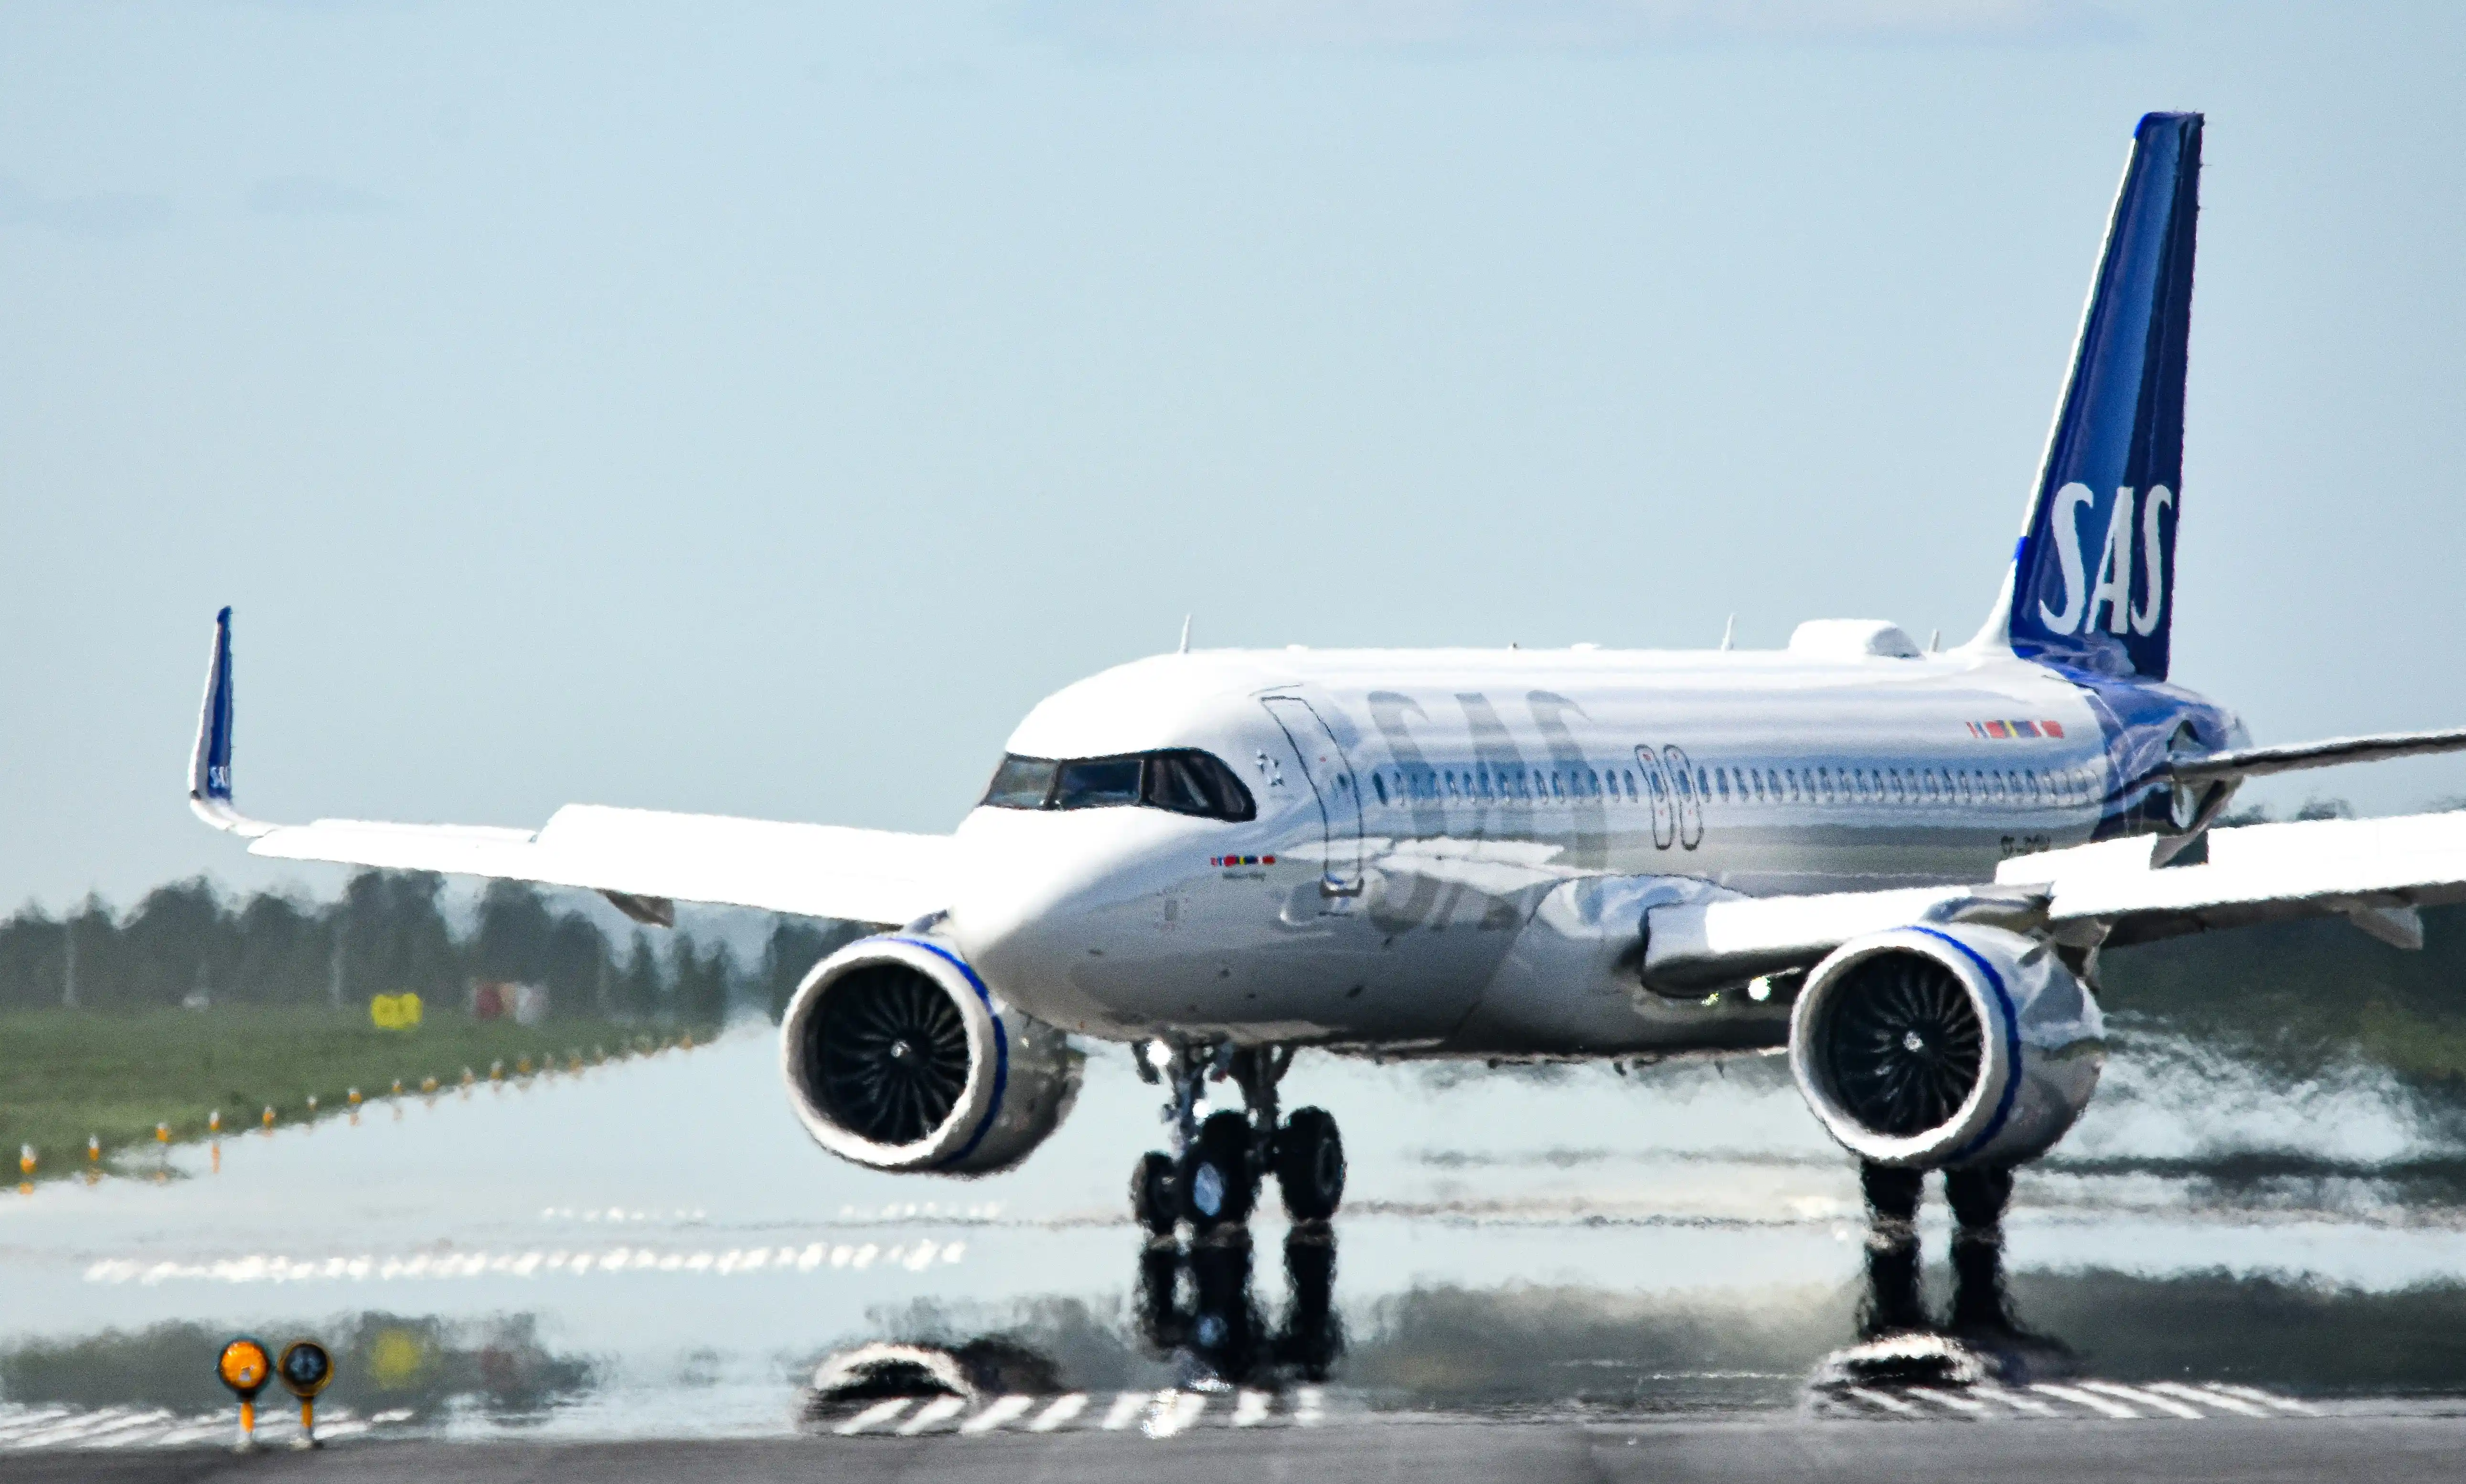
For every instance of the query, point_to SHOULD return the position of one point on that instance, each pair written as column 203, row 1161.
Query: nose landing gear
column 1213, row 1177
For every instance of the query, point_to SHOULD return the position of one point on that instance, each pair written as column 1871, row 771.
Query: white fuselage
column 1441, row 834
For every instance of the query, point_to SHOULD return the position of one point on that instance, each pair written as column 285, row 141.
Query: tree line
column 192, row 943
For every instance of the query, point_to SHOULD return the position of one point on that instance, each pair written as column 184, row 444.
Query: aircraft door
column 1690, row 807
column 1332, row 781
column 1665, row 803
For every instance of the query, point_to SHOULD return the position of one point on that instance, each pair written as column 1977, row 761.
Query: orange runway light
column 244, row 1368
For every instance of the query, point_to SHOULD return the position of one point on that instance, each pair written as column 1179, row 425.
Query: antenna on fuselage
column 1185, row 636
column 1935, row 642
column 1730, row 633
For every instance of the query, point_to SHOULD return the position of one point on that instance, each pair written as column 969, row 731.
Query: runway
column 644, row 1266
column 2399, row 1450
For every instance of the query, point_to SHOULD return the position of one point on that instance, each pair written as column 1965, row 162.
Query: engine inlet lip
column 966, row 1121
column 1989, row 1097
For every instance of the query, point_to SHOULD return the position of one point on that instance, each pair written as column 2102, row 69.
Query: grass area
column 66, row 1075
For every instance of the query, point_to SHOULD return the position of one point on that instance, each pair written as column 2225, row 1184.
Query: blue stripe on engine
column 1001, row 1046
column 2011, row 1044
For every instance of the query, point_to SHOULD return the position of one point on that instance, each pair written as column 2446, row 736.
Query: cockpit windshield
column 1183, row 780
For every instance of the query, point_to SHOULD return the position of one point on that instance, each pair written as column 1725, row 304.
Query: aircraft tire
column 1217, row 1187
column 1977, row 1197
column 1310, row 1164
column 1154, row 1202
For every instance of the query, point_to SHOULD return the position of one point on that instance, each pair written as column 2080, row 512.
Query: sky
column 755, row 408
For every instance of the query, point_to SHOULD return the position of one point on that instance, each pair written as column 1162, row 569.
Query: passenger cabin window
column 1182, row 780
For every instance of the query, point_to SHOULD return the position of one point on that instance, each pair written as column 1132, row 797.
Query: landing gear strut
column 1213, row 1174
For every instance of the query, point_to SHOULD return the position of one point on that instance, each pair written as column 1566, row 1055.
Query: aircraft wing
column 2253, row 762
column 2373, row 872
column 643, row 860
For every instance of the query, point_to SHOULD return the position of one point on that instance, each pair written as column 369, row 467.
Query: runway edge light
column 305, row 1368
column 244, row 1368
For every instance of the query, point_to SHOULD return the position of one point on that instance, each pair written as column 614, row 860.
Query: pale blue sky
column 755, row 408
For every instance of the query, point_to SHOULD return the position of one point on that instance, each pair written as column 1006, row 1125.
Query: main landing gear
column 1212, row 1178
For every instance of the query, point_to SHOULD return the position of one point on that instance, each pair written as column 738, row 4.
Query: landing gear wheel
column 1310, row 1164
column 1977, row 1197
column 1153, row 1202
column 1216, row 1182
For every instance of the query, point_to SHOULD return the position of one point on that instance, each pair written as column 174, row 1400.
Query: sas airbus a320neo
column 1901, row 864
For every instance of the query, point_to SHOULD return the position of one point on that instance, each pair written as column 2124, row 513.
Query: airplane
column 1899, row 864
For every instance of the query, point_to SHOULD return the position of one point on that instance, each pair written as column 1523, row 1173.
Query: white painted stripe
column 2235, row 1404
column 71, row 1429
column 2286, row 1404
column 2096, row 1404
column 1310, row 1408
column 1125, row 1410
column 939, row 1409
column 126, row 1429
column 2122, row 1393
column 872, row 1416
column 1250, row 1408
column 1942, row 1398
column 1062, row 1410
column 2015, row 1400
column 997, row 1412
column 1173, row 1412
column 1890, row 1403
column 28, row 1421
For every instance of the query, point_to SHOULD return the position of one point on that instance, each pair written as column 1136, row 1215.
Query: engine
column 898, row 1058
column 1948, row 1047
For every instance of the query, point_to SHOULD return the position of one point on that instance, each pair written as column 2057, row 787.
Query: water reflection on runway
column 653, row 1249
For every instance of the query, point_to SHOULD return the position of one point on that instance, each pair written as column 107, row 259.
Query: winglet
column 210, row 765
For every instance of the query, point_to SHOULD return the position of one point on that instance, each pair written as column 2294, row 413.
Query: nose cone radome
column 1038, row 888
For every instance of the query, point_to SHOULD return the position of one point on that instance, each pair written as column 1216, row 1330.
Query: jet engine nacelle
column 1933, row 1047
column 899, row 1058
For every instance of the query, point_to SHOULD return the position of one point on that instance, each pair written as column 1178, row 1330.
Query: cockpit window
column 1183, row 780
column 1021, row 783
column 1098, row 783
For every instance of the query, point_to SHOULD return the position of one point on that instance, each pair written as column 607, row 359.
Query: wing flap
column 817, row 871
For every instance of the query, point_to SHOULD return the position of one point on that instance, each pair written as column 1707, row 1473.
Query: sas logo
column 2105, row 600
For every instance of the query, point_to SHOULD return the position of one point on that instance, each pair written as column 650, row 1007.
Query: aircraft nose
column 1025, row 879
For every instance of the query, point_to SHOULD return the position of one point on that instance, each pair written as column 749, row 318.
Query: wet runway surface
column 1527, row 1262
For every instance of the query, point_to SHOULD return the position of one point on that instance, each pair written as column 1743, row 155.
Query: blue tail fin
column 2092, row 581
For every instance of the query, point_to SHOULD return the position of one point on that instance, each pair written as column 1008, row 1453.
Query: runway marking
column 39, row 1417
column 939, row 1409
column 721, row 1263
column 2286, row 1404
column 1311, row 1409
column 2095, row 1402
column 999, row 1410
column 1063, row 1410
column 78, row 1427
column 1956, row 1402
column 1173, row 1412
column 1890, row 1403
column 1126, row 1408
column 2123, row 1393
column 1250, row 1408
column 2236, row 1404
column 2015, row 1400
column 121, row 1437
column 873, row 1416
